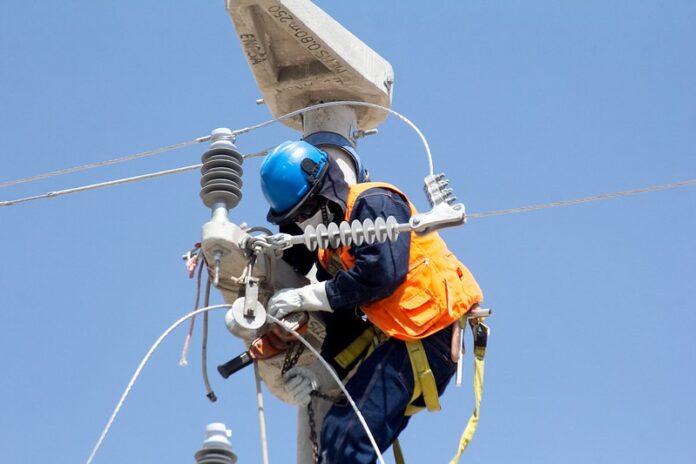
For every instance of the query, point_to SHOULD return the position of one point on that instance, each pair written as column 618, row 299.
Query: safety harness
column 423, row 378
column 389, row 317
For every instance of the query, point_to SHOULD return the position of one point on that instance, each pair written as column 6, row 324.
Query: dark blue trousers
column 382, row 388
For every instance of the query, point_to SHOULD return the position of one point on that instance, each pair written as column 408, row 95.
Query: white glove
column 308, row 298
column 300, row 382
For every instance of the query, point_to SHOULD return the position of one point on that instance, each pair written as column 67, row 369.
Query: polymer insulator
column 344, row 234
column 222, row 171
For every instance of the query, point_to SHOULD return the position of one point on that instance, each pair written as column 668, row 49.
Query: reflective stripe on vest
column 437, row 291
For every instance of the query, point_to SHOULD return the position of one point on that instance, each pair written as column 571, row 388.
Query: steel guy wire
column 98, row 164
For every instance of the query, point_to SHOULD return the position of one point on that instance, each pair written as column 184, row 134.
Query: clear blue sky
column 592, row 351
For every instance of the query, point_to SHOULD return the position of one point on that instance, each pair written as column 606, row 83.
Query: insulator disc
column 369, row 231
column 221, row 189
column 225, row 151
column 221, row 173
column 334, row 235
column 221, row 161
column 380, row 229
column 392, row 228
column 345, row 233
column 357, row 229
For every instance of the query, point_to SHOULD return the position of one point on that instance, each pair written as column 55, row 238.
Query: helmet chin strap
column 325, row 214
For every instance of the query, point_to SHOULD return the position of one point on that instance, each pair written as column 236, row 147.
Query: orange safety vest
column 437, row 291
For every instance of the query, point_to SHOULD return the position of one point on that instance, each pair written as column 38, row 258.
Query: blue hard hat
column 290, row 173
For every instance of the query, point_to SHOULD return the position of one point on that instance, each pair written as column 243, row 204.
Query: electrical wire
column 202, row 139
column 142, row 364
column 99, row 185
column 336, row 379
column 577, row 201
column 184, row 351
column 307, row 109
column 183, row 319
column 262, row 415
column 115, row 182
column 99, row 164
column 209, row 393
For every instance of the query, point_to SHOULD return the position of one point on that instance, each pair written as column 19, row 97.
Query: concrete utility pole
column 299, row 56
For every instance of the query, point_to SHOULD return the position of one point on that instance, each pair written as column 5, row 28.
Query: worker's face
column 313, row 220
column 312, row 213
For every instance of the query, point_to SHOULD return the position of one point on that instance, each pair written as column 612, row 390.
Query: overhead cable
column 98, row 164
column 307, row 109
column 112, row 183
column 336, row 379
column 183, row 319
column 577, row 201
column 205, row 138
column 142, row 364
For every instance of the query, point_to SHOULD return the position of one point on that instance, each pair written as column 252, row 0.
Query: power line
column 98, row 164
column 236, row 132
column 577, row 201
column 99, row 185
column 112, row 183
column 307, row 109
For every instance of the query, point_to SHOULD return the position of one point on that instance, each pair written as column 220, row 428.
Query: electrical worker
column 411, row 292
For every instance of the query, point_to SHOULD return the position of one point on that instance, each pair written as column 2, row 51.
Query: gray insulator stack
column 221, row 181
column 217, row 448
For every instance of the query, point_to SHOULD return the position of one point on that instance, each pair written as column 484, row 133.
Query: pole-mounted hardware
column 221, row 183
column 217, row 448
column 442, row 215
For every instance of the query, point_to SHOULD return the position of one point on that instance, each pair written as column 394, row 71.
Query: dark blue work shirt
column 379, row 270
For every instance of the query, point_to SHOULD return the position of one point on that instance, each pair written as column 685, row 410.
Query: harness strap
column 480, row 332
column 398, row 453
column 423, row 379
column 358, row 346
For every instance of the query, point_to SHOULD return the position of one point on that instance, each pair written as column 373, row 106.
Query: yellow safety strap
column 398, row 453
column 423, row 379
column 480, row 331
column 357, row 347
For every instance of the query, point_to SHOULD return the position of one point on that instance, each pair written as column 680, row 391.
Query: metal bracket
column 251, row 296
column 441, row 216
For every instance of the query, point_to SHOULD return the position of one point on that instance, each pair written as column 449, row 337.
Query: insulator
column 222, row 175
column 345, row 234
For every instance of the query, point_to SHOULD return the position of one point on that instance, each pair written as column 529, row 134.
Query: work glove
column 308, row 298
column 300, row 382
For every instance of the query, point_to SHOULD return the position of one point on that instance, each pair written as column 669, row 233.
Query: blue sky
column 592, row 353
